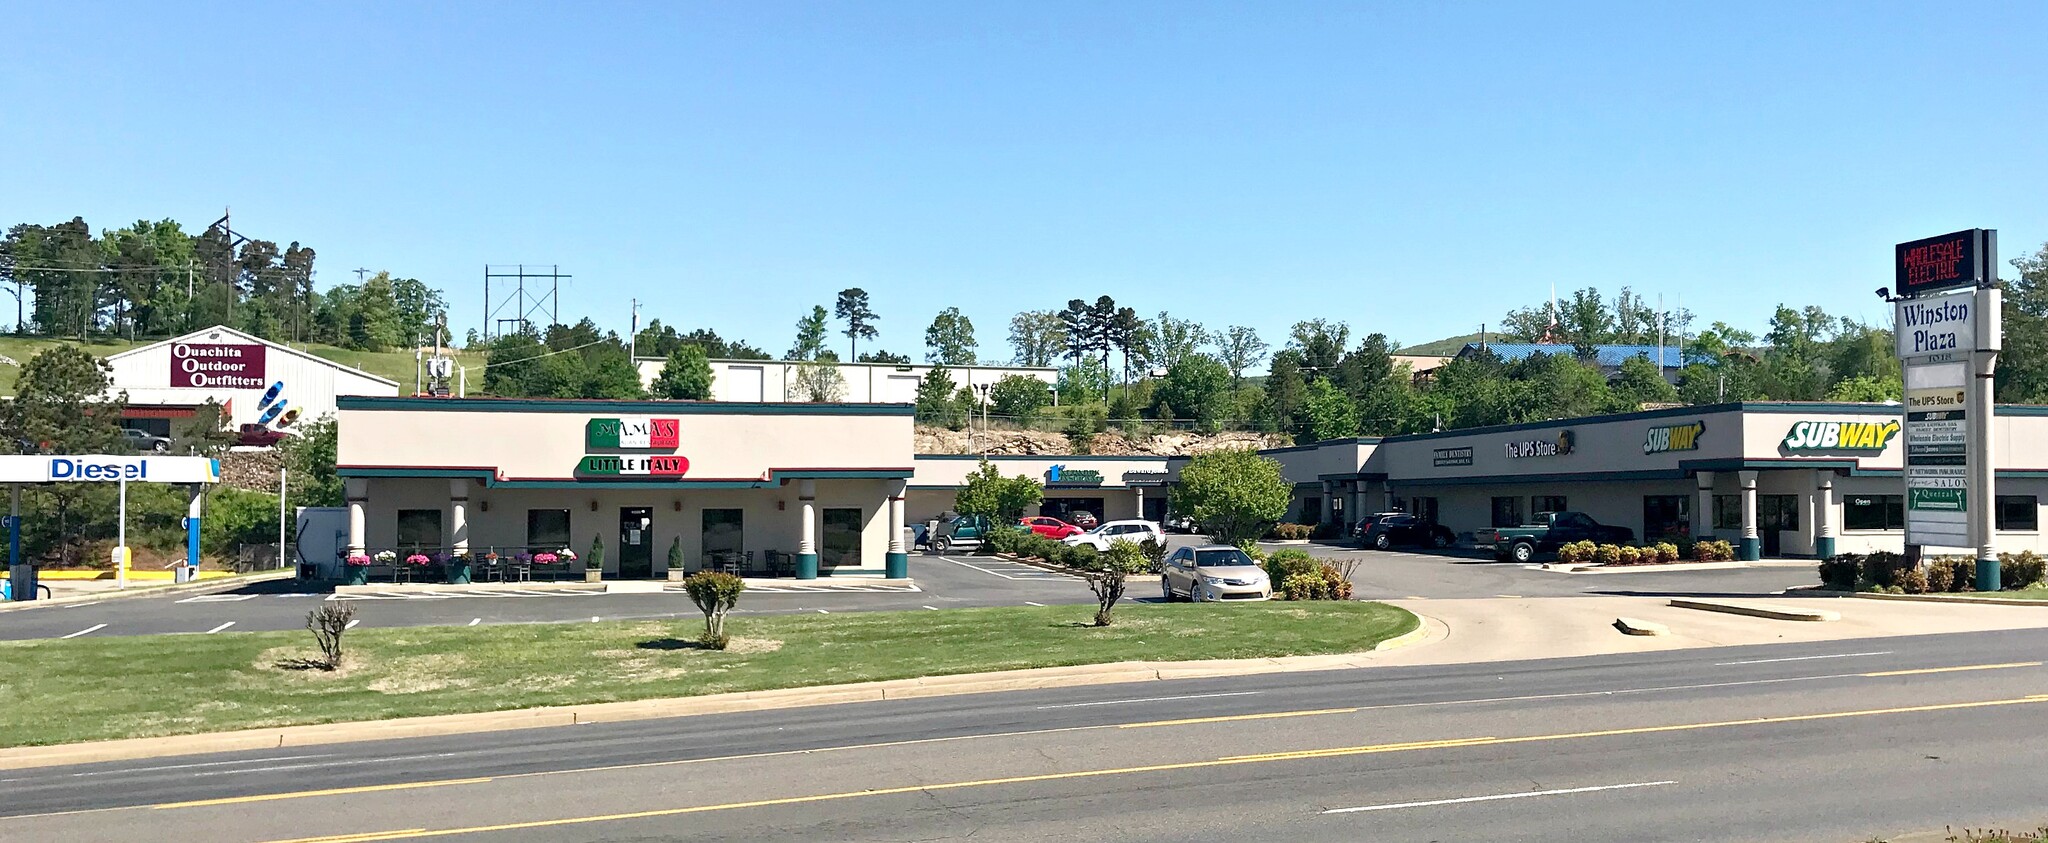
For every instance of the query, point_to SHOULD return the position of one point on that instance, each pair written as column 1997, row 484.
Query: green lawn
column 62, row 691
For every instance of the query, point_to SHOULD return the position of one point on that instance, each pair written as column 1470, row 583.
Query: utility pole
column 633, row 337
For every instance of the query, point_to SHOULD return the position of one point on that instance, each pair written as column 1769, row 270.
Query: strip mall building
column 828, row 487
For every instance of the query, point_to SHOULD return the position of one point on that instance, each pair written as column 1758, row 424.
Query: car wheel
column 160, row 447
column 1165, row 589
column 1383, row 541
column 1439, row 540
column 1523, row 552
column 942, row 544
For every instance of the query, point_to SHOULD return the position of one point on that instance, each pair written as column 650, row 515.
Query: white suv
column 1101, row 537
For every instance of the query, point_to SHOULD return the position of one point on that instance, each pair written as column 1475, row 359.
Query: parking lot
column 938, row 582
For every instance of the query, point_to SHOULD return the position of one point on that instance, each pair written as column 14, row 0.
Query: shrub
column 1108, row 571
column 1941, row 577
column 1628, row 555
column 1305, row 586
column 327, row 623
column 1687, row 549
column 1081, row 556
column 716, row 594
column 2020, row 570
column 1576, row 553
column 1606, row 554
column 1840, row 571
column 1287, row 562
column 1713, row 551
column 1962, row 573
column 1326, row 530
column 1910, row 581
column 1005, row 540
column 1251, row 549
column 1667, row 552
column 1290, row 532
column 1338, row 580
column 595, row 561
column 1155, row 555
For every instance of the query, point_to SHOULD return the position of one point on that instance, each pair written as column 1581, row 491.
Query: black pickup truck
column 1551, row 531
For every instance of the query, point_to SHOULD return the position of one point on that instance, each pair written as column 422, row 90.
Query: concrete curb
column 1674, row 566
column 1960, row 598
column 1756, row 611
column 1632, row 626
column 531, row 718
column 606, row 587
column 201, row 587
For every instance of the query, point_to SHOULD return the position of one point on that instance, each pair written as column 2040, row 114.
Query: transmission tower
column 514, row 295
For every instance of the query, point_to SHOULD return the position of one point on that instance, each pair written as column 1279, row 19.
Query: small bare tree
column 1107, row 573
column 327, row 624
column 716, row 594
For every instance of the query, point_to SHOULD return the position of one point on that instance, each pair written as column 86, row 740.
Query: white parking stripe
column 352, row 623
column 86, row 630
column 1029, row 603
column 1523, row 795
column 221, row 627
column 475, row 621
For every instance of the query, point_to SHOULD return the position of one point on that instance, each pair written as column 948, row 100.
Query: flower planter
column 593, row 575
column 675, row 573
column 357, row 575
column 458, row 573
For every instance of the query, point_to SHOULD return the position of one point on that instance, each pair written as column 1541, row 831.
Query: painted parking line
column 86, row 631
column 352, row 623
column 997, row 568
column 475, row 621
column 218, row 598
column 1496, row 797
column 221, row 627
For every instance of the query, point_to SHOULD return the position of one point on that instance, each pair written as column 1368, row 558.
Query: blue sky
column 1413, row 169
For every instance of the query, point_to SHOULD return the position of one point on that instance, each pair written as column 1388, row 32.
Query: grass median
column 64, row 691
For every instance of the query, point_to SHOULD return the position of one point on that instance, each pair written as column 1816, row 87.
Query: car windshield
column 1232, row 558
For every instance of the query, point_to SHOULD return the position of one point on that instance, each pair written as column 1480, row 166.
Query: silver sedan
column 1213, row 572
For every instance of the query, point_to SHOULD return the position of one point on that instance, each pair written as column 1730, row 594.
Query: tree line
column 154, row 279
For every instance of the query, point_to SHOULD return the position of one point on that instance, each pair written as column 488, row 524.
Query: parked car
column 1213, row 572
column 1083, row 520
column 1180, row 524
column 1387, row 529
column 145, row 441
column 960, row 531
column 1050, row 527
column 1101, row 537
column 259, row 436
column 1550, row 531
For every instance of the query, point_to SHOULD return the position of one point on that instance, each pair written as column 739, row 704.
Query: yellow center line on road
column 1234, row 717
column 1452, row 743
column 1952, row 669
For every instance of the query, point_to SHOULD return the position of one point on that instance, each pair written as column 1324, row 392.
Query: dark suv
column 1388, row 529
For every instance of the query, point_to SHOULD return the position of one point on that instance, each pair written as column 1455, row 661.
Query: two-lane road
column 1835, row 741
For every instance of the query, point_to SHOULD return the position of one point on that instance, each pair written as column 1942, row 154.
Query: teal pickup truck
column 1550, row 531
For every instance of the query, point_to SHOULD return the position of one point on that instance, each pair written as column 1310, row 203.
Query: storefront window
column 724, row 531
column 1874, row 512
column 547, row 528
column 1507, row 512
column 1311, row 510
column 1547, row 503
column 419, row 528
column 1727, row 512
column 2019, row 512
column 1777, row 512
column 840, row 543
column 1423, row 508
column 1666, row 517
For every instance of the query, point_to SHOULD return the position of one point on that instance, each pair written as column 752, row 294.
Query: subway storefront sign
column 1840, row 436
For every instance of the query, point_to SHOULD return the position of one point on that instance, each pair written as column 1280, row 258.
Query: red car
column 1051, row 528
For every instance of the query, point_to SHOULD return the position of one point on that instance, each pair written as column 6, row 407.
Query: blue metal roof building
column 1606, row 356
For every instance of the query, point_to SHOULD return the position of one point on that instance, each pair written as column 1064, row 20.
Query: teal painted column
column 1752, row 547
column 896, row 564
column 807, row 541
column 1988, row 576
column 192, row 513
column 1823, row 514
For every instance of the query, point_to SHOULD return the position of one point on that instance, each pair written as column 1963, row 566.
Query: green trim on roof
column 588, row 406
column 358, row 471
column 1049, row 457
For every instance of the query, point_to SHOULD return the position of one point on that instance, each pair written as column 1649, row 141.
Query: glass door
column 636, row 542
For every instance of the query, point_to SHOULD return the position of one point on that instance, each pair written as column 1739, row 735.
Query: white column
column 1703, row 514
column 458, row 515
column 807, row 499
column 358, row 493
column 1823, row 514
column 1137, row 500
column 896, row 490
column 1323, row 517
column 1750, row 550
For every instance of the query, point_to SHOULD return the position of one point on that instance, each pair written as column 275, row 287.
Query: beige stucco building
column 1111, row 488
column 1777, row 478
column 815, row 487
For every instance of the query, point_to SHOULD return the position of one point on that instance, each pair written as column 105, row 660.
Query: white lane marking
column 1496, row 797
column 1029, row 603
column 218, row 598
column 1151, row 699
column 89, row 629
column 186, row 766
column 823, row 612
column 83, row 605
column 475, row 621
column 593, row 619
column 352, row 623
column 221, row 627
column 1806, row 658
column 933, row 608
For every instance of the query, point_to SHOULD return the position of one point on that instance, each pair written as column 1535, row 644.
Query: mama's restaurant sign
column 649, row 465
column 1839, row 436
column 633, row 433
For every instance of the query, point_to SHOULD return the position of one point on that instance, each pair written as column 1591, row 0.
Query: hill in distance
column 1446, row 347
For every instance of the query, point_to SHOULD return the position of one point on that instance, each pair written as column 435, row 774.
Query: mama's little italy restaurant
column 779, row 489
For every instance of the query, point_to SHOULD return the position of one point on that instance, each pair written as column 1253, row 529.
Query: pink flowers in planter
column 417, row 559
column 544, row 559
column 358, row 560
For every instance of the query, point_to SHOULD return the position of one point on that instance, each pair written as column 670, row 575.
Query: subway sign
column 633, row 465
column 1675, row 437
column 633, row 433
column 1839, row 436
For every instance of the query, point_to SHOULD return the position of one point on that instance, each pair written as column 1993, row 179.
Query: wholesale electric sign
column 1939, row 263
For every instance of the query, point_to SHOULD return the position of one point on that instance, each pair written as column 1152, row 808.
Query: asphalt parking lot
column 939, row 582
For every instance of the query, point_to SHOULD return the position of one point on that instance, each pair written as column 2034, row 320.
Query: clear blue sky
column 1414, row 169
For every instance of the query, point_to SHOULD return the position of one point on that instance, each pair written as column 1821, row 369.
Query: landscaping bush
column 1687, row 549
column 1107, row 572
column 1338, row 580
column 1003, row 540
column 716, row 594
column 1962, row 572
column 1289, row 532
column 1287, row 562
column 1713, row 551
column 1910, row 580
column 1840, row 571
column 1606, row 554
column 1305, row 586
column 1080, row 556
column 1251, row 549
column 2020, row 570
column 1628, row 555
column 327, row 623
column 1881, row 569
column 1155, row 555
column 1326, row 530
column 1941, row 577
column 1667, row 552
